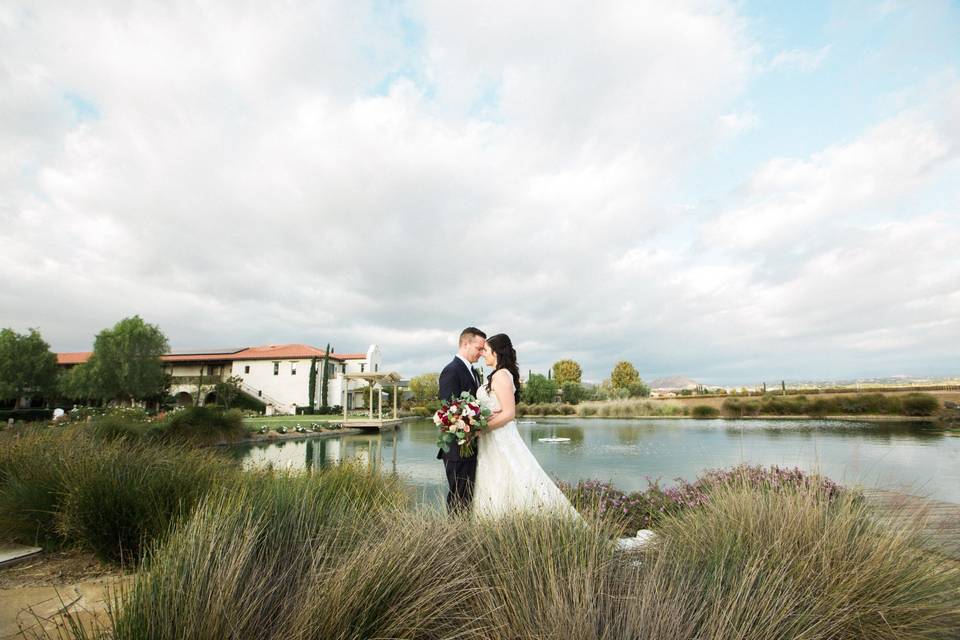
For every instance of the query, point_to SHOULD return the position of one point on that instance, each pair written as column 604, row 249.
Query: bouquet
column 460, row 420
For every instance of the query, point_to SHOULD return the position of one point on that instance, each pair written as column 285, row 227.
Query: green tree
column 75, row 383
column 539, row 389
column 573, row 392
column 566, row 371
column 425, row 387
column 638, row 390
column 125, row 364
column 312, row 384
column 228, row 390
column 623, row 375
column 27, row 366
column 325, row 380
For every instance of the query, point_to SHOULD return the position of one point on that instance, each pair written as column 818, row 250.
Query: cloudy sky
column 737, row 192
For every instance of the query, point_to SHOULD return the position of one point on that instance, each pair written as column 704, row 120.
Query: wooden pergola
column 374, row 380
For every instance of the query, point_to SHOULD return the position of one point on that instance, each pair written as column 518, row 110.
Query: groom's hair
column 469, row 333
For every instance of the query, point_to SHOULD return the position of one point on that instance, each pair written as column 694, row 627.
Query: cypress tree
column 323, row 384
column 312, row 385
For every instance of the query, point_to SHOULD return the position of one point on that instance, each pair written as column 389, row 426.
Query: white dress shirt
column 469, row 366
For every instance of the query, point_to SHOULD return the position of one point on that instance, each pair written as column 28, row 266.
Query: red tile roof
column 281, row 351
column 194, row 357
column 266, row 352
column 75, row 357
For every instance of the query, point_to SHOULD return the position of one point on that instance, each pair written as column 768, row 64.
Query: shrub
column 203, row 425
column 645, row 509
column 25, row 415
column 126, row 496
column 540, row 576
column 111, row 427
column 404, row 583
column 704, row 411
column 252, row 553
column 132, row 414
column 858, row 404
column 819, row 407
column 82, row 413
column 539, row 389
column 789, row 564
column 33, row 482
column 302, row 558
column 573, row 392
column 629, row 409
column 919, row 404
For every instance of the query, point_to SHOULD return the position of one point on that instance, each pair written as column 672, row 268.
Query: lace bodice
column 489, row 399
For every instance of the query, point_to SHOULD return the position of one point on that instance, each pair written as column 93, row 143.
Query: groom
column 457, row 377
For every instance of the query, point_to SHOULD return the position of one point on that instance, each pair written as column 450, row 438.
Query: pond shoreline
column 847, row 418
column 273, row 436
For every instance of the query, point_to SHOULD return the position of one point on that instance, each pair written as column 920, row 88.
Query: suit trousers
column 461, row 476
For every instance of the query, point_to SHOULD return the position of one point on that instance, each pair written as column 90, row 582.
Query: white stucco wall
column 287, row 388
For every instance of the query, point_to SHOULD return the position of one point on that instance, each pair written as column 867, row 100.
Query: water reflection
column 915, row 457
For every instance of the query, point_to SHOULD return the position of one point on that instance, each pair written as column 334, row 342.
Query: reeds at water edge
column 336, row 555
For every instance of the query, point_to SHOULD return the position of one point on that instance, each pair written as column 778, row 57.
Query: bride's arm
column 502, row 384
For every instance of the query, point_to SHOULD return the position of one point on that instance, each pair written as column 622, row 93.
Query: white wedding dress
column 509, row 479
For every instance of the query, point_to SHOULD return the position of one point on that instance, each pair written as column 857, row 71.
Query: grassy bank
column 339, row 553
column 74, row 487
column 333, row 556
column 873, row 404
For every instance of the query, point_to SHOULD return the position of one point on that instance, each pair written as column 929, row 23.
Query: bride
column 509, row 479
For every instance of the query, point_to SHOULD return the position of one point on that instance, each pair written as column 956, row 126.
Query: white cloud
column 738, row 122
column 869, row 175
column 805, row 60
column 325, row 172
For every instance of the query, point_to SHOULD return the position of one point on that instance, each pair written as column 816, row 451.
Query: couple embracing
column 503, row 476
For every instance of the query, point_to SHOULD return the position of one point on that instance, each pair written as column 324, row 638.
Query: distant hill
column 674, row 383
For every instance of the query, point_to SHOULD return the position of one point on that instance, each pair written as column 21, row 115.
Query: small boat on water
column 553, row 439
column 526, row 422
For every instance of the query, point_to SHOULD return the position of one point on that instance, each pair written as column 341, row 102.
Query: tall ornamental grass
column 542, row 576
column 789, row 565
column 33, row 484
column 204, row 425
column 127, row 495
column 629, row 409
column 910, row 404
column 243, row 565
column 645, row 509
column 330, row 556
column 68, row 487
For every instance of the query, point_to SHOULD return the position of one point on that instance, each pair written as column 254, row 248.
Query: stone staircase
column 258, row 394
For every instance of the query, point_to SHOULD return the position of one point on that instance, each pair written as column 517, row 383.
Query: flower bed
column 645, row 509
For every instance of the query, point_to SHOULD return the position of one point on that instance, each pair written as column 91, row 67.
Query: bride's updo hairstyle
column 506, row 359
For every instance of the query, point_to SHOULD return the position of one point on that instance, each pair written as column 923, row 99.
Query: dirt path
column 36, row 593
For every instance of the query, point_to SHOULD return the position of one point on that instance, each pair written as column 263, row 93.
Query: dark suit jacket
column 456, row 378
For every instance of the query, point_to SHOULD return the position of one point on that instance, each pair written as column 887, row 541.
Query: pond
column 917, row 458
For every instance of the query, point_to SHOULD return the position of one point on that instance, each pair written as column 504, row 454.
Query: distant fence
column 799, row 391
